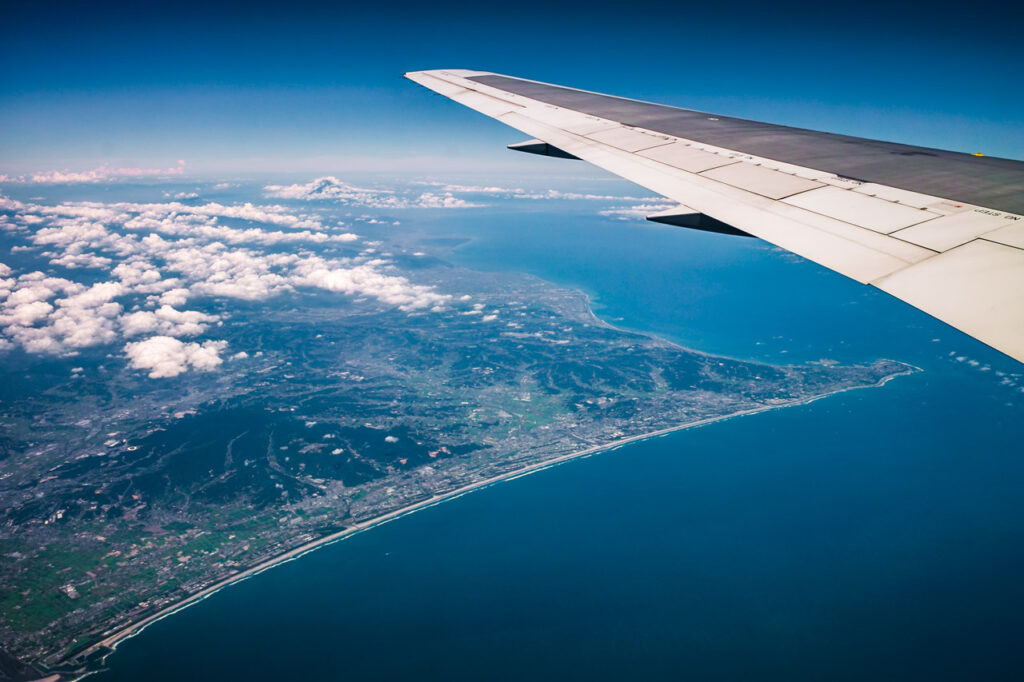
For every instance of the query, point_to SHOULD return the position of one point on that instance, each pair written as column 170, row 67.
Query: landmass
column 125, row 498
column 132, row 503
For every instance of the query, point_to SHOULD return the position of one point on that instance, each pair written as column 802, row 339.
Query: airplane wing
column 940, row 230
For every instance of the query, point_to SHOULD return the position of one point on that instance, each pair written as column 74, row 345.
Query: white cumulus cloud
column 446, row 200
column 154, row 258
column 635, row 212
column 366, row 279
column 166, row 356
column 167, row 321
column 102, row 174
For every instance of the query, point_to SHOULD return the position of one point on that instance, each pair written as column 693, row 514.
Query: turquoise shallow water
column 872, row 535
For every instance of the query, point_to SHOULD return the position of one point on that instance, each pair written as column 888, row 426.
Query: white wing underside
column 961, row 263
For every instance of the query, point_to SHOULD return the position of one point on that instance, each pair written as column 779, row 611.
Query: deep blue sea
column 873, row 535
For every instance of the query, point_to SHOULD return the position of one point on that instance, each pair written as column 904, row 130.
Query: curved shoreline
column 111, row 641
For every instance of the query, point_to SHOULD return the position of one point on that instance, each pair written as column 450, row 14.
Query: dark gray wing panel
column 980, row 180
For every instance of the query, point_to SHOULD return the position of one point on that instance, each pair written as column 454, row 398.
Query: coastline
column 108, row 645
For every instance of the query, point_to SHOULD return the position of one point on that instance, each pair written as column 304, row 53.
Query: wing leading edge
column 940, row 230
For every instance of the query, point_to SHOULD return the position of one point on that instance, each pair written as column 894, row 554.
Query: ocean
column 875, row 534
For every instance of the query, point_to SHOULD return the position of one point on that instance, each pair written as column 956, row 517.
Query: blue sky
column 318, row 88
